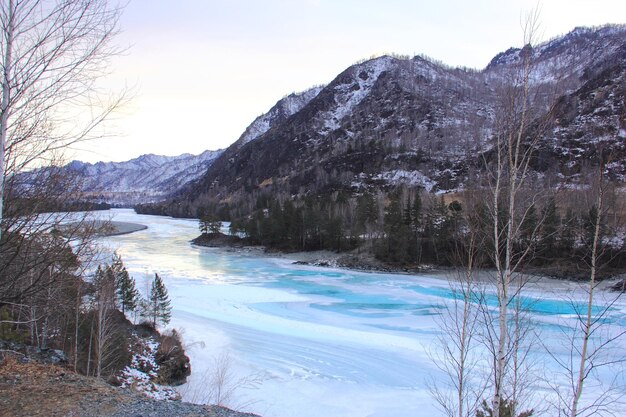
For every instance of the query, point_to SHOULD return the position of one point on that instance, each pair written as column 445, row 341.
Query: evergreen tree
column 416, row 212
column 203, row 225
column 103, row 277
column 408, row 215
column 333, row 233
column 366, row 213
column 549, row 229
column 438, row 231
column 415, row 248
column 395, row 245
column 127, row 294
column 158, row 308
column 209, row 224
column 529, row 226
column 588, row 224
column 569, row 227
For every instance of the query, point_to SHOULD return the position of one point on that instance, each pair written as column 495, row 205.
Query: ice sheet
column 313, row 341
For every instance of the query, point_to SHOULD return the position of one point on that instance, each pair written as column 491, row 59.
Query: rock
column 174, row 366
column 28, row 354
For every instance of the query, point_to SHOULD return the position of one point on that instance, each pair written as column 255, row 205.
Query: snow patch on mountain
column 568, row 54
column 284, row 108
column 412, row 178
column 396, row 177
column 349, row 95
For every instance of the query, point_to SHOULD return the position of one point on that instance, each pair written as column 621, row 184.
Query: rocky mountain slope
column 280, row 112
column 393, row 120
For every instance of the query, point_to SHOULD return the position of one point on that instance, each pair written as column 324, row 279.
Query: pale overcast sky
column 202, row 70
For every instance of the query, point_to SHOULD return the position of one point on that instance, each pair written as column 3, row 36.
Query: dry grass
column 47, row 390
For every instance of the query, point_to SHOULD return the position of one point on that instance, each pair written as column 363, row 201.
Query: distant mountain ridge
column 284, row 108
column 142, row 179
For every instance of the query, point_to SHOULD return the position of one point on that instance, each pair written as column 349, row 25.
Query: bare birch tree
column 521, row 119
column 104, row 306
column 52, row 54
column 455, row 353
column 592, row 339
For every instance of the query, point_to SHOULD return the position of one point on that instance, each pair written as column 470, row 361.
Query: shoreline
column 123, row 228
column 327, row 259
column 366, row 263
column 103, row 228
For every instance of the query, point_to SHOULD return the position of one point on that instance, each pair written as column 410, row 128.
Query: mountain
column 143, row 179
column 280, row 112
column 151, row 178
column 393, row 121
column 592, row 120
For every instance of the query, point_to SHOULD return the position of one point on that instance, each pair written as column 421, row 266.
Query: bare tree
column 221, row 385
column 455, row 353
column 53, row 52
column 104, row 306
column 522, row 118
column 593, row 339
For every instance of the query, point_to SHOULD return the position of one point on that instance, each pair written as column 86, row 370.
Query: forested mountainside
column 413, row 122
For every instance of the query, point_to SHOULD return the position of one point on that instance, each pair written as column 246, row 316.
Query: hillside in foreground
column 29, row 389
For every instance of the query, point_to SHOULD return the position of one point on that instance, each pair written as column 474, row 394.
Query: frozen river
column 307, row 341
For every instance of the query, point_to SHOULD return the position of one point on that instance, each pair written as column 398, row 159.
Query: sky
column 200, row 71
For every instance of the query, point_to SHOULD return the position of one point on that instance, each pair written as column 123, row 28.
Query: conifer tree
column 549, row 228
column 209, row 224
column 395, row 245
column 158, row 308
column 569, row 228
column 366, row 213
column 416, row 212
column 528, row 227
column 127, row 294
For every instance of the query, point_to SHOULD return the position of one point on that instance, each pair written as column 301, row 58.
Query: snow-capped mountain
column 143, row 179
column 398, row 120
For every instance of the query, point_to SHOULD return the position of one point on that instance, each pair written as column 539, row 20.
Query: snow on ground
column 143, row 370
column 413, row 178
column 307, row 341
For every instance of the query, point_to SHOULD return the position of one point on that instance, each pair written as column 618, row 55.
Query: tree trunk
column 6, row 97
column 578, row 390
